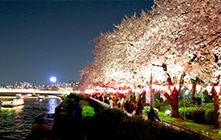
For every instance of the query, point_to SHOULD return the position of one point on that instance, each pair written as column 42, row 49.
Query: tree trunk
column 216, row 109
column 216, row 104
column 174, row 105
column 173, row 100
column 175, row 111
column 193, row 99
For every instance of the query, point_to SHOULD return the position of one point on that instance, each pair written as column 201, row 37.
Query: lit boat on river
column 43, row 121
column 12, row 103
column 19, row 96
column 41, row 97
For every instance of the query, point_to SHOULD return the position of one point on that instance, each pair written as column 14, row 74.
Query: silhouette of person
column 152, row 115
column 140, row 108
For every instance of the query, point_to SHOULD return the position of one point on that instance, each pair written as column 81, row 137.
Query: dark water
column 15, row 122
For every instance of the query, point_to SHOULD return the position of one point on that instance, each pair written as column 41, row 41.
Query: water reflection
column 52, row 104
column 15, row 122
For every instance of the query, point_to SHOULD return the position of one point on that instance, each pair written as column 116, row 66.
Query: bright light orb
column 53, row 79
column 168, row 112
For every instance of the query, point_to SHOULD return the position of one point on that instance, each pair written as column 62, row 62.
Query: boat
column 44, row 122
column 19, row 96
column 12, row 103
column 41, row 97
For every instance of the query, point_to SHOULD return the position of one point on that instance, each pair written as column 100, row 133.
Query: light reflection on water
column 15, row 122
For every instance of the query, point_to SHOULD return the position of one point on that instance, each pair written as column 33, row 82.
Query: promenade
column 70, row 127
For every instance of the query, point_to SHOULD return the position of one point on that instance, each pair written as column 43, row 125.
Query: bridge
column 4, row 91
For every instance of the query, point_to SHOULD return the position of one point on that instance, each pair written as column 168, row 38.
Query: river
column 16, row 122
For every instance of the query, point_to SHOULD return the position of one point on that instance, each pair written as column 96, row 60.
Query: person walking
column 111, row 103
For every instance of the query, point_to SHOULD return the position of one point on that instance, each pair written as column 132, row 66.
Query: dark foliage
column 198, row 115
column 114, row 124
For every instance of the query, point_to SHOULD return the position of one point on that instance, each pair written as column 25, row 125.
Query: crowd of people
column 122, row 102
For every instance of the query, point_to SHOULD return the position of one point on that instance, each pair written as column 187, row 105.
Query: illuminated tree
column 91, row 76
column 176, row 41
column 199, row 37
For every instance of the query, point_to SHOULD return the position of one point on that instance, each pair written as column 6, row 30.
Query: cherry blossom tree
column 177, row 40
column 198, row 37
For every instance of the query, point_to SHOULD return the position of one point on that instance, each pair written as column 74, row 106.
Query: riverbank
column 113, row 123
column 63, row 127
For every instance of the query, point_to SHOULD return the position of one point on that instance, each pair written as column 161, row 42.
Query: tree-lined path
column 176, row 43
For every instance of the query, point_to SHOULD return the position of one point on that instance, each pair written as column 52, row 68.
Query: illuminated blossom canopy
column 184, row 35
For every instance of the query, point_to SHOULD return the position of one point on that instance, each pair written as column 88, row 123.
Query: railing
column 108, row 106
column 100, row 102
column 182, row 128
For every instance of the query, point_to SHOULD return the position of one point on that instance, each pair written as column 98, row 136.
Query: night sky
column 40, row 39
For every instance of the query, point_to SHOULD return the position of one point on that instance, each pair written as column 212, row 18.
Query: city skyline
column 41, row 39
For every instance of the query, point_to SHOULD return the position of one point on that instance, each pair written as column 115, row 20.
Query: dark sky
column 40, row 39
